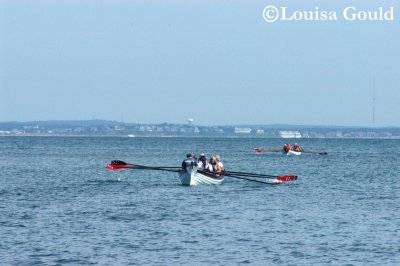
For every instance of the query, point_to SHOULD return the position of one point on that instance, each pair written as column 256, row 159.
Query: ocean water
column 59, row 205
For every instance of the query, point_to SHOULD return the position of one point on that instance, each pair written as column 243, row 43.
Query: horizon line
column 226, row 125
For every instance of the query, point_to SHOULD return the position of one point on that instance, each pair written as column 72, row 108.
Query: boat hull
column 291, row 152
column 191, row 177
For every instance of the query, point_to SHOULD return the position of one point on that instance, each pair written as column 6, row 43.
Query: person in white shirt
column 218, row 159
column 202, row 164
column 214, row 167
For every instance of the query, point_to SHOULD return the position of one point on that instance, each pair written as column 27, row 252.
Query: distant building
column 118, row 128
column 260, row 131
column 218, row 130
column 242, row 130
column 290, row 134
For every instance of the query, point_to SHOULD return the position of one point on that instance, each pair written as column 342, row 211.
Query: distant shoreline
column 189, row 136
column 103, row 128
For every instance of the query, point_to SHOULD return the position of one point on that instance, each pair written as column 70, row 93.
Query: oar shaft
column 249, row 174
column 283, row 178
column 315, row 152
column 259, row 150
column 252, row 176
column 249, row 179
column 158, row 169
column 117, row 165
column 142, row 167
column 163, row 167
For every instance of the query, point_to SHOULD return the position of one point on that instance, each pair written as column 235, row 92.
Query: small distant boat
column 191, row 177
column 292, row 152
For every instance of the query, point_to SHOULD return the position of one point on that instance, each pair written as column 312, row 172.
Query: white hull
column 190, row 177
column 293, row 152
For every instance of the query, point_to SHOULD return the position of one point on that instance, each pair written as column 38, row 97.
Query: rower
column 214, row 167
column 286, row 148
column 202, row 163
column 219, row 163
column 188, row 161
column 296, row 147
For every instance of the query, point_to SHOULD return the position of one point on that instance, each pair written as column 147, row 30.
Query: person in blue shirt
column 189, row 160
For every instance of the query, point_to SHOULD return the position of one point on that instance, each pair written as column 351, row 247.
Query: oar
column 252, row 174
column 283, row 178
column 249, row 179
column 260, row 150
column 117, row 165
column 315, row 152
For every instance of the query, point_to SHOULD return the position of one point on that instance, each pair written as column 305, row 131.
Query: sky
column 218, row 62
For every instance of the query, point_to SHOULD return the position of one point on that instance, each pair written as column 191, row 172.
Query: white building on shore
column 290, row 134
column 242, row 130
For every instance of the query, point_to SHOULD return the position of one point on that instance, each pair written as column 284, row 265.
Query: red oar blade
column 287, row 178
column 116, row 165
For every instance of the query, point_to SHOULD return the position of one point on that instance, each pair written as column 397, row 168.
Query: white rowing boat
column 191, row 177
column 292, row 152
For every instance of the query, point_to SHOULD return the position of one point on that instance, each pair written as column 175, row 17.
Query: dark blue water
column 59, row 205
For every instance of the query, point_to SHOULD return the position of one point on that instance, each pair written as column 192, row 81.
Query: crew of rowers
column 214, row 165
column 287, row 148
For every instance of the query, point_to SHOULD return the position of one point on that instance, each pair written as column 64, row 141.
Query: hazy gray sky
column 166, row 61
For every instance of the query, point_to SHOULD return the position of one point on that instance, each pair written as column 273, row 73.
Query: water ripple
column 59, row 205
